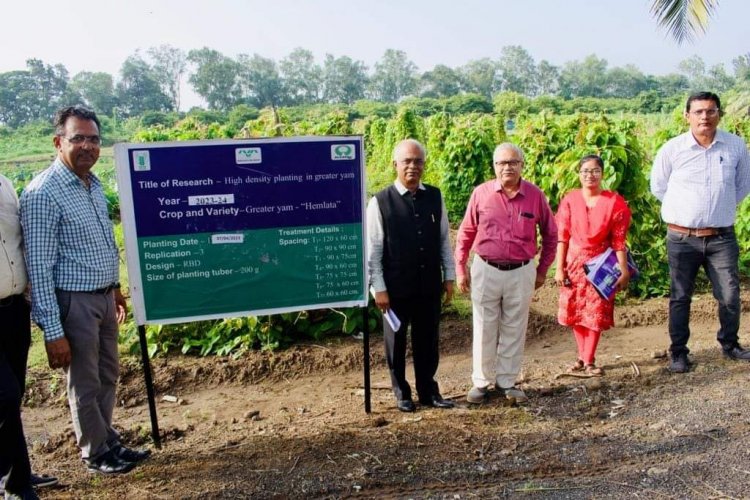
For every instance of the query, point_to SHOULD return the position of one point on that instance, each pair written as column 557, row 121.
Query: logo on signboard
column 141, row 161
column 247, row 155
column 343, row 152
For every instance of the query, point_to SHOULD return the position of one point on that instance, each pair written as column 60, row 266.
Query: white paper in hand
column 392, row 319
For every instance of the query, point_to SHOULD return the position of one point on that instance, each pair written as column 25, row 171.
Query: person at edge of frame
column 701, row 177
column 16, row 478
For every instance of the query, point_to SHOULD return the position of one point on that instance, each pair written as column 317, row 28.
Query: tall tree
column 441, row 81
column 480, row 77
column 547, row 78
column 584, row 79
column 626, row 82
column 683, row 19
column 50, row 85
column 169, row 64
column 96, row 89
column 138, row 90
column 261, row 81
column 718, row 79
column 671, row 84
column 303, row 79
column 715, row 78
column 694, row 69
column 395, row 77
column 742, row 68
column 216, row 78
column 16, row 95
column 517, row 70
column 34, row 94
column 344, row 80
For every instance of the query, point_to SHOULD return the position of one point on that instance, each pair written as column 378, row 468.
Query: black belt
column 99, row 291
column 505, row 266
column 6, row 301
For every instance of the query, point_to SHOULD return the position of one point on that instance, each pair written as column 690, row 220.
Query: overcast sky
column 100, row 35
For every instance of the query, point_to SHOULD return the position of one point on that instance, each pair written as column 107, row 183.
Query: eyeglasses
column 593, row 173
column 708, row 112
column 508, row 163
column 94, row 140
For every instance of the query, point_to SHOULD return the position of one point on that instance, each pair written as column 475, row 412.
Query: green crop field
column 459, row 157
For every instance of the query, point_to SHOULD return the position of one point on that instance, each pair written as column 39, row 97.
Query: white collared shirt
column 701, row 187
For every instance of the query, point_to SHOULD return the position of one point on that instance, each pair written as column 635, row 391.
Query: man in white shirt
column 15, row 338
column 701, row 177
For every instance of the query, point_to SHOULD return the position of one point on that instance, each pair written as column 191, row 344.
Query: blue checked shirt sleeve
column 40, row 220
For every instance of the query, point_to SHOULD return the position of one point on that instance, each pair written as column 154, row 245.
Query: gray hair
column 508, row 145
column 411, row 142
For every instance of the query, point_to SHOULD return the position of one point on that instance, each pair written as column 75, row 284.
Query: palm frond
column 683, row 19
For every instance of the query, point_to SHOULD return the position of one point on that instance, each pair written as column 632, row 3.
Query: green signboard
column 229, row 228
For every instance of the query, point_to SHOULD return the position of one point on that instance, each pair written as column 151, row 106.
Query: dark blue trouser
column 718, row 256
column 15, row 338
column 423, row 313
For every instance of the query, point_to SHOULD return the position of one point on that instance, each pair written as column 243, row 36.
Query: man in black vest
column 411, row 265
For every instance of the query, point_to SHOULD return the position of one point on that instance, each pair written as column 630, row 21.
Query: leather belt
column 505, row 266
column 700, row 232
column 6, row 301
column 101, row 291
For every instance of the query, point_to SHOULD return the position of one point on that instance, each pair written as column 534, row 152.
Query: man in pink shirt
column 500, row 226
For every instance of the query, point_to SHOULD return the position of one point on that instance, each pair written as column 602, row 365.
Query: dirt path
column 293, row 424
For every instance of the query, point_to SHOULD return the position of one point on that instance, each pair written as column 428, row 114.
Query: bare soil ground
column 292, row 424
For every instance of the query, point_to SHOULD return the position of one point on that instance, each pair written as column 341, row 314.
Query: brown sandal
column 577, row 367
column 593, row 370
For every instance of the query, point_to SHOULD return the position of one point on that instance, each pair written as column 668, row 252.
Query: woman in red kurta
column 589, row 221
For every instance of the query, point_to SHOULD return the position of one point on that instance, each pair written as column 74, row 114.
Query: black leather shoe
column 437, row 401
column 737, row 353
column 109, row 464
column 680, row 363
column 43, row 480
column 128, row 455
column 406, row 405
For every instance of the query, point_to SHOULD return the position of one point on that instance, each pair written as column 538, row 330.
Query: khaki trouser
column 90, row 325
column 500, row 303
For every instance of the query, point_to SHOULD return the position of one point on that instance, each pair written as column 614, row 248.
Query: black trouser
column 718, row 255
column 423, row 313
column 15, row 339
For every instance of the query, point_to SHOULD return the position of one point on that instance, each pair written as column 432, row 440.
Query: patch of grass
column 16, row 145
column 460, row 306
column 37, row 353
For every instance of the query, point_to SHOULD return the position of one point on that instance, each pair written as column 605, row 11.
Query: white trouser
column 500, row 304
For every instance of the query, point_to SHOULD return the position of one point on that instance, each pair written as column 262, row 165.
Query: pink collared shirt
column 501, row 229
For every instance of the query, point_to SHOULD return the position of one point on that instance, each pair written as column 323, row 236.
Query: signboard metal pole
column 366, row 353
column 149, row 386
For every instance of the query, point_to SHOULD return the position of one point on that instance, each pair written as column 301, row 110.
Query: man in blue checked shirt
column 701, row 177
column 73, row 267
